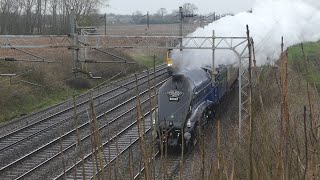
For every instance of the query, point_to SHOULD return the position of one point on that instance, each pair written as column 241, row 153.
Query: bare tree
column 27, row 16
column 162, row 12
column 28, row 7
column 54, row 11
column 39, row 15
column 13, row 24
column 84, row 7
column 5, row 8
column 136, row 16
column 189, row 8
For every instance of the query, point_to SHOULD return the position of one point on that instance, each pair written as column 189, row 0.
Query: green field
column 22, row 104
column 312, row 52
column 148, row 61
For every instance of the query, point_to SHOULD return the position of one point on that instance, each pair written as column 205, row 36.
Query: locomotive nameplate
column 174, row 95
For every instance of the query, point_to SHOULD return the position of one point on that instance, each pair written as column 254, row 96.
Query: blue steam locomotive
column 187, row 101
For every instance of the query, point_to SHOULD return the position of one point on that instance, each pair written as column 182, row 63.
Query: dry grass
column 56, row 79
column 270, row 158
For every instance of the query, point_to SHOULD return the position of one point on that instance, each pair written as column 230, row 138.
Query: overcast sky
column 204, row 6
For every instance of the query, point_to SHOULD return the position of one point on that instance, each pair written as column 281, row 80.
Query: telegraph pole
column 148, row 20
column 251, row 128
column 182, row 16
column 180, row 29
column 75, row 42
column 72, row 34
column 105, row 24
column 213, row 56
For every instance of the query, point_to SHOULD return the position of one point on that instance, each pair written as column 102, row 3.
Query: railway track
column 115, row 147
column 54, row 110
column 66, row 106
column 31, row 130
column 39, row 157
column 166, row 167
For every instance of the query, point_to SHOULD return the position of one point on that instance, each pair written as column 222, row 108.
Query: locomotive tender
column 188, row 100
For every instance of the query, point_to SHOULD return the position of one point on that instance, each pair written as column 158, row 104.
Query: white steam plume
column 297, row 20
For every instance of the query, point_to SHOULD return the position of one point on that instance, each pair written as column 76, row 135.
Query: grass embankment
column 18, row 98
column 275, row 155
column 296, row 60
column 147, row 59
column 299, row 158
column 34, row 88
column 23, row 104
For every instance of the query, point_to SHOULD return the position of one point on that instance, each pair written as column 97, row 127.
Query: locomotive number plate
column 174, row 99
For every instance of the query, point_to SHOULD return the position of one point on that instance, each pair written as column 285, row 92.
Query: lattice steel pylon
column 239, row 45
column 35, row 41
column 243, row 90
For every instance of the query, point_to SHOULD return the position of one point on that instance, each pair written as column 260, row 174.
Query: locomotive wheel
column 188, row 146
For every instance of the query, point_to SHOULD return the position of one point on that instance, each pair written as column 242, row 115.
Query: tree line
column 164, row 16
column 25, row 17
column 44, row 16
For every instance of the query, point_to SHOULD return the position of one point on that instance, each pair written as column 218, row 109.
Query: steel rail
column 86, row 123
column 106, row 143
column 125, row 149
column 68, row 118
column 143, row 167
column 159, row 68
column 174, row 163
column 104, row 126
column 112, row 90
column 68, row 133
column 82, row 139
